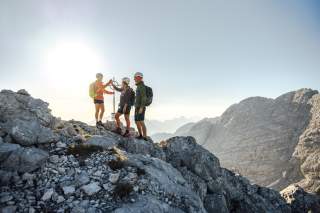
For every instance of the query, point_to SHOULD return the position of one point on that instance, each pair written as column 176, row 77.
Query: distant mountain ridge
column 187, row 129
column 168, row 126
column 274, row 142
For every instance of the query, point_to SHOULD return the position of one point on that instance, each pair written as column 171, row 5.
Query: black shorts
column 128, row 109
column 98, row 101
column 137, row 116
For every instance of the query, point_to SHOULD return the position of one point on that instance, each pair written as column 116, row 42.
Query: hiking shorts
column 98, row 101
column 128, row 109
column 137, row 116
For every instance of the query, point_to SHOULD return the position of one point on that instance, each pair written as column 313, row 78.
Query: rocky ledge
column 50, row 165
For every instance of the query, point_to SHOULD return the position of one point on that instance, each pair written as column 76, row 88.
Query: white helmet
column 126, row 80
column 138, row 74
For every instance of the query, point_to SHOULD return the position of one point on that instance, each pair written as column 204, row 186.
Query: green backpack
column 92, row 90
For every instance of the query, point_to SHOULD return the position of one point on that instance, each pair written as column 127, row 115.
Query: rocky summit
column 51, row 165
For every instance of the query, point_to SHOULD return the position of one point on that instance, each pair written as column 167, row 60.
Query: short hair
column 98, row 75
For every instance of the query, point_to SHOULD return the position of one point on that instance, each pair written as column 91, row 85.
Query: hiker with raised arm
column 144, row 97
column 127, row 99
column 96, row 91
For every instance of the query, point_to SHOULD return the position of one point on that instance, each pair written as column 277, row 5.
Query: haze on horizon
column 198, row 56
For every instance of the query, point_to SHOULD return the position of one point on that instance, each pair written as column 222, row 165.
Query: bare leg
column 127, row 118
column 117, row 117
column 97, row 107
column 101, row 111
column 139, row 127
column 144, row 129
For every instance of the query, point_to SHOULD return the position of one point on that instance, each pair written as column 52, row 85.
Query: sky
column 199, row 56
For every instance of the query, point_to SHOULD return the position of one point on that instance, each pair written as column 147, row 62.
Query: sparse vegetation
column 122, row 190
column 83, row 151
column 116, row 164
column 140, row 172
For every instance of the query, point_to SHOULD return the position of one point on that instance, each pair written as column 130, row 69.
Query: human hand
column 140, row 110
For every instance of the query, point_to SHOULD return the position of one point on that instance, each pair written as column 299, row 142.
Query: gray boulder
column 14, row 105
column 23, row 92
column 9, row 209
column 164, row 177
column 6, row 149
column 105, row 142
column 13, row 157
column 137, row 146
column 225, row 190
column 91, row 188
column 184, row 151
column 216, row 203
column 26, row 119
column 67, row 190
column 82, row 178
column 30, row 132
column 6, row 177
column 301, row 201
column 47, row 195
column 147, row 204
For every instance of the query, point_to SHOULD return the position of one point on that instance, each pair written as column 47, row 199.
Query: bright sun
column 72, row 60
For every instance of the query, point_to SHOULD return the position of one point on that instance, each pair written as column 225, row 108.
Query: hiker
column 97, row 89
column 143, row 98
column 127, row 99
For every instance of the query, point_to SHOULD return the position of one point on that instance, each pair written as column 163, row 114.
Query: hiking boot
column 126, row 134
column 139, row 137
column 117, row 131
column 145, row 138
column 99, row 123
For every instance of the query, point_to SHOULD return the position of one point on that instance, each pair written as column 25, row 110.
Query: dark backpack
column 132, row 97
column 149, row 94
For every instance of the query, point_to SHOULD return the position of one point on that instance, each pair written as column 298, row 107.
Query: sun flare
column 72, row 60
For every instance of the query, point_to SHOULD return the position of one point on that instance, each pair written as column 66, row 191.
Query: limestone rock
column 142, row 147
column 103, row 141
column 91, row 188
column 270, row 141
column 67, row 190
column 16, row 158
column 25, row 118
column 47, row 195
column 178, row 175
column 299, row 200
column 148, row 204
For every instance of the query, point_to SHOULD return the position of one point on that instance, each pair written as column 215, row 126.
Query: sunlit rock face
column 88, row 169
column 273, row 142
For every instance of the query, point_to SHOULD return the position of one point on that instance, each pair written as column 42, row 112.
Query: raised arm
column 117, row 88
column 109, row 83
column 108, row 92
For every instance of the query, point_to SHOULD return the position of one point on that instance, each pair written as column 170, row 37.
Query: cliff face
column 273, row 142
column 58, row 166
column 307, row 150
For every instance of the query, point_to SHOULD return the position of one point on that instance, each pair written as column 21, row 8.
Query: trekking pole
column 114, row 100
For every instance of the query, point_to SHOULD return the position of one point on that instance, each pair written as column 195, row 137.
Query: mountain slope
column 69, row 166
column 202, row 128
column 267, row 139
